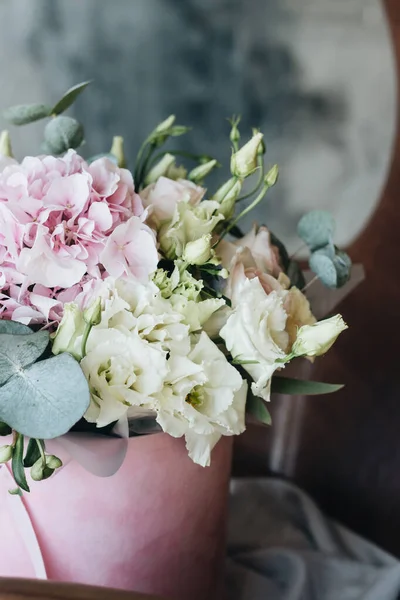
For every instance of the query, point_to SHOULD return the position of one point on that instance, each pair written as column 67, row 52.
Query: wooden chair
column 24, row 589
column 345, row 449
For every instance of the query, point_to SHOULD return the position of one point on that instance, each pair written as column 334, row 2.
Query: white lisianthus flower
column 188, row 224
column 122, row 370
column 316, row 339
column 255, row 333
column 203, row 399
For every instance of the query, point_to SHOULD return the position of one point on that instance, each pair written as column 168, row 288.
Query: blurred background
column 317, row 76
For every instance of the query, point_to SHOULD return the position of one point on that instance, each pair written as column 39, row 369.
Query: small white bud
column 198, row 174
column 199, row 251
column 160, row 169
column 6, row 453
column 272, row 176
column 92, row 315
column 117, row 149
column 244, row 161
column 316, row 339
column 165, row 125
column 5, row 144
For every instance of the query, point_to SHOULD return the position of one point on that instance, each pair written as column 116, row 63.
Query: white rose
column 204, row 398
column 188, row 224
column 122, row 370
column 315, row 340
column 255, row 333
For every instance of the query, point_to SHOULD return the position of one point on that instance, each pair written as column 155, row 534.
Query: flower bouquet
column 131, row 303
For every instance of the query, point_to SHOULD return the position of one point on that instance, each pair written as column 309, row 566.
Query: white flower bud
column 198, row 174
column 272, row 176
column 69, row 330
column 6, row 453
column 165, row 125
column 117, row 149
column 199, row 251
column 160, row 169
column 92, row 315
column 244, row 161
column 5, row 144
column 227, row 207
column 315, row 340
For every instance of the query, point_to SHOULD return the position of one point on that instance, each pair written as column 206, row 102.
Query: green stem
column 183, row 153
column 257, row 187
column 244, row 212
column 86, row 332
column 41, row 450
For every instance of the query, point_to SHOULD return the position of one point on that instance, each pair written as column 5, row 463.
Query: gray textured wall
column 315, row 75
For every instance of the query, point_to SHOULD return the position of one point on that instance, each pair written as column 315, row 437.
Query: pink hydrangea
column 63, row 222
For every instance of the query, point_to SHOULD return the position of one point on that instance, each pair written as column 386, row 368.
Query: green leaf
column 18, row 351
column 324, row 268
column 26, row 113
column 32, row 452
column 18, row 464
column 46, row 399
column 62, row 133
column 257, row 407
column 69, row 98
column 300, row 387
column 316, row 228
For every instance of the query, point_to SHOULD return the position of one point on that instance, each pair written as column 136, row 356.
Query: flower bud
column 199, row 251
column 234, row 135
column 227, row 207
column 92, row 315
column 53, row 462
column 6, row 453
column 165, row 125
column 261, row 148
column 160, row 169
column 5, row 144
column 272, row 176
column 316, row 339
column 117, row 149
column 71, row 327
column 198, row 174
column 244, row 161
column 176, row 172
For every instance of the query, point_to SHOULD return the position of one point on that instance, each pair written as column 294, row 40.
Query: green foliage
column 258, row 409
column 22, row 114
column 62, row 133
column 299, row 387
column 316, row 229
column 69, row 98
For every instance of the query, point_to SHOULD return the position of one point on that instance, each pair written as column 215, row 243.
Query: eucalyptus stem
column 310, row 283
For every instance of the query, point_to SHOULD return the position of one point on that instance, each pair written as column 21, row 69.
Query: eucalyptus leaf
column 32, row 452
column 17, row 464
column 300, row 387
column 62, row 133
column 316, row 228
column 13, row 327
column 257, row 408
column 46, row 399
column 23, row 114
column 343, row 267
column 324, row 268
column 18, row 351
column 69, row 98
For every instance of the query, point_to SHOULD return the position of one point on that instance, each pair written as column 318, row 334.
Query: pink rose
column 163, row 196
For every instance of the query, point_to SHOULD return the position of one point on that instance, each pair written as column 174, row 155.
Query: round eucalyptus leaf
column 18, row 351
column 23, row 114
column 46, row 399
column 316, row 228
column 343, row 267
column 324, row 268
column 62, row 133
column 14, row 328
column 69, row 98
